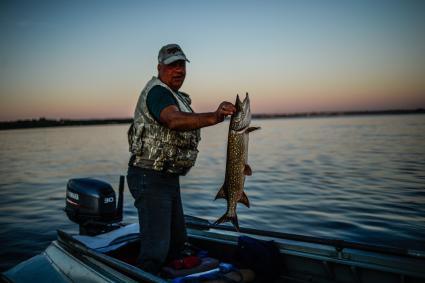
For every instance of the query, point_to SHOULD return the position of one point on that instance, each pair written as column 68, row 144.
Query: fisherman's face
column 173, row 74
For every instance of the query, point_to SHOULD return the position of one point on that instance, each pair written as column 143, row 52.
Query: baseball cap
column 170, row 53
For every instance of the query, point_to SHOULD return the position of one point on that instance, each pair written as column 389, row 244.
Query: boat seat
column 110, row 241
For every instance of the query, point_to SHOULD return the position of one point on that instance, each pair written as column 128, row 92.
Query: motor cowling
column 91, row 203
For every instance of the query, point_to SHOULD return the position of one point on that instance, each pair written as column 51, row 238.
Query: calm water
column 354, row 178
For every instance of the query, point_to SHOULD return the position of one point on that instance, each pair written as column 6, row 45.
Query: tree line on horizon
column 44, row 122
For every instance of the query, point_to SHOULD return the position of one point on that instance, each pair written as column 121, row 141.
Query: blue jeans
column 162, row 226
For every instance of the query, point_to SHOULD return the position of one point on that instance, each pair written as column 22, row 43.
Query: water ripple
column 353, row 178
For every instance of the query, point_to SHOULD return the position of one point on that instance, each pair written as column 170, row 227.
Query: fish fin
column 244, row 199
column 221, row 193
column 247, row 170
column 235, row 222
column 251, row 129
column 226, row 218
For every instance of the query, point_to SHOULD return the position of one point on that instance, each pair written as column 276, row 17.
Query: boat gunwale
column 81, row 259
column 324, row 253
column 77, row 248
column 352, row 257
column 339, row 245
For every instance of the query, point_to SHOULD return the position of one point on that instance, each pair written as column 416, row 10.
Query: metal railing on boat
column 339, row 245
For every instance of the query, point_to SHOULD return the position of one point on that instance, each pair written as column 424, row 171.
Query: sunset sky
column 90, row 59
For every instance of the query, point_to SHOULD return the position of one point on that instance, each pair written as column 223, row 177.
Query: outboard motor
column 91, row 203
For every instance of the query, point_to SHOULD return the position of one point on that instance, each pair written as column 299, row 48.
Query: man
column 163, row 140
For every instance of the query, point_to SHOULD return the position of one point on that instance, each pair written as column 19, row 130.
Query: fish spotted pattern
column 236, row 162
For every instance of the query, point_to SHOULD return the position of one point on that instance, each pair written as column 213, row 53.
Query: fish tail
column 229, row 217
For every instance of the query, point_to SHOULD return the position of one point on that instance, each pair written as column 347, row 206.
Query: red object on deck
column 185, row 263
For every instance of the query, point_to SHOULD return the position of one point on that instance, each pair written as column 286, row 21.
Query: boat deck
column 110, row 257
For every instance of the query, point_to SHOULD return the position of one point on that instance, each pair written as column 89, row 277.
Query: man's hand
column 225, row 108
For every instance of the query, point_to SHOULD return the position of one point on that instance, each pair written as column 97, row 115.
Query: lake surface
column 359, row 178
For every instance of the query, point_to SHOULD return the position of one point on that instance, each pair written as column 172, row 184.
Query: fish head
column 242, row 117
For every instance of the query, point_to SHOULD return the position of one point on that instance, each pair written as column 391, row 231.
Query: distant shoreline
column 44, row 123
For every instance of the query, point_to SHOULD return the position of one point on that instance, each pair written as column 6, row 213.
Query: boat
column 105, row 250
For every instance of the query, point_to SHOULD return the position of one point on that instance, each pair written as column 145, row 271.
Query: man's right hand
column 224, row 109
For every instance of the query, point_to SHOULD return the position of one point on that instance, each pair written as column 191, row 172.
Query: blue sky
column 90, row 59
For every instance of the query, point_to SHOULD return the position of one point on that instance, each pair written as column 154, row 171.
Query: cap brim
column 175, row 58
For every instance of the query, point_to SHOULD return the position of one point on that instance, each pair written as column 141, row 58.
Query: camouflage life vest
column 157, row 147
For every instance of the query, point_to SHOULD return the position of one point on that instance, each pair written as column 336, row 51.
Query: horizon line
column 43, row 122
column 254, row 115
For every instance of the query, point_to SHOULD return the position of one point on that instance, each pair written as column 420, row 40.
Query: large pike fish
column 236, row 163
